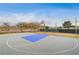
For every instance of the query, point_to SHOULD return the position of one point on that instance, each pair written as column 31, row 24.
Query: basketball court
column 37, row 44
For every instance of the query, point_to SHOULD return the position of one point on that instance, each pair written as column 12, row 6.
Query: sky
column 51, row 13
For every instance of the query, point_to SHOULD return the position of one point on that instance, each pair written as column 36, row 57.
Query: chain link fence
column 64, row 26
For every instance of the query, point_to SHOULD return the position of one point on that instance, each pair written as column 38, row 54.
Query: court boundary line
column 23, row 51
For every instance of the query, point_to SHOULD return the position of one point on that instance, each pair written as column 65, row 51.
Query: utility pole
column 43, row 22
column 76, row 26
column 56, row 26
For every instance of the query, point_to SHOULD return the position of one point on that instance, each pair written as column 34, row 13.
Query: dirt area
column 50, row 33
column 60, row 34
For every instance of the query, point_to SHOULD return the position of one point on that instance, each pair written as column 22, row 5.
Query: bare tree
column 33, row 26
column 6, row 26
column 21, row 26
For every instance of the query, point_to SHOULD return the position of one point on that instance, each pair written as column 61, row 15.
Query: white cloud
column 31, row 17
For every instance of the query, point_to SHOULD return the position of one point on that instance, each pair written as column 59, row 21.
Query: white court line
column 7, row 43
column 69, row 49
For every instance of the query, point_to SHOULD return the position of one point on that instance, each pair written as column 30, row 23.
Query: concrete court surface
column 14, row 44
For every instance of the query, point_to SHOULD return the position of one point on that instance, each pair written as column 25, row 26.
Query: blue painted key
column 35, row 38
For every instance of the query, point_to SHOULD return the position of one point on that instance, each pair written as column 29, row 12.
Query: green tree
column 46, row 28
column 67, row 24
